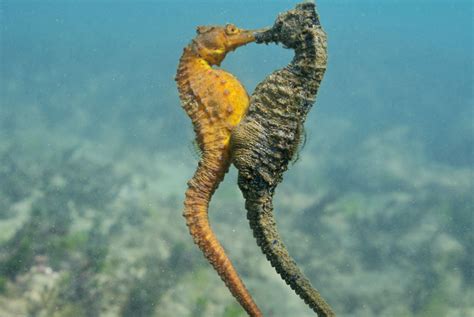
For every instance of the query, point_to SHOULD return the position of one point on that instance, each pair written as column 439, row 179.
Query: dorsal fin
column 196, row 152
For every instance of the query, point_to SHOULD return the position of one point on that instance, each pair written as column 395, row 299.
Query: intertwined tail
column 200, row 190
column 260, row 216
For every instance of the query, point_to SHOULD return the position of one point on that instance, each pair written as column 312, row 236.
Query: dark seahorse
column 267, row 138
column 216, row 102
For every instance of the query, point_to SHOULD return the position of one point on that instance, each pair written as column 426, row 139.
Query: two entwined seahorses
column 259, row 136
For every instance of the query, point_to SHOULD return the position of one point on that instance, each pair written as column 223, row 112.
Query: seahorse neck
column 192, row 60
column 303, row 61
column 191, row 68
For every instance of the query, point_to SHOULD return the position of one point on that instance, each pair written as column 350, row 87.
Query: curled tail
column 200, row 190
column 260, row 216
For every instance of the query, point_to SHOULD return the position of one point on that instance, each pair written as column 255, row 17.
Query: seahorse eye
column 231, row 29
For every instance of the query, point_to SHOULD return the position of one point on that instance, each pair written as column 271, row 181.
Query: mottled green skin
column 267, row 138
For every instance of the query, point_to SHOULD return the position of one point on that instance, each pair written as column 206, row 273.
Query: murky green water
column 95, row 152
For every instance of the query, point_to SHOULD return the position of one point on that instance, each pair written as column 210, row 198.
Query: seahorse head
column 212, row 43
column 290, row 28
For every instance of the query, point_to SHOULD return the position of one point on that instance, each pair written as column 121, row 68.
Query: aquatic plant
column 78, row 288
column 67, row 190
column 146, row 291
column 18, row 174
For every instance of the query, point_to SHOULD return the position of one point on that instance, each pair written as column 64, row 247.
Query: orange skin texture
column 216, row 102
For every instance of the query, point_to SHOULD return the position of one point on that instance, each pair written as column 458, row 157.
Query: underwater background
column 95, row 153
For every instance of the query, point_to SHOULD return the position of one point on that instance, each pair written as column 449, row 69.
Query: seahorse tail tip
column 276, row 253
column 197, row 221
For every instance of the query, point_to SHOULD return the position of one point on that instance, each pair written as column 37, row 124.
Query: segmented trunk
column 267, row 138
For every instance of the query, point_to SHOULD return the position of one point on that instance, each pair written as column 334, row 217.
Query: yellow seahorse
column 216, row 102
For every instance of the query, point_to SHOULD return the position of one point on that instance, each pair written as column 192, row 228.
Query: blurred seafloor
column 95, row 153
